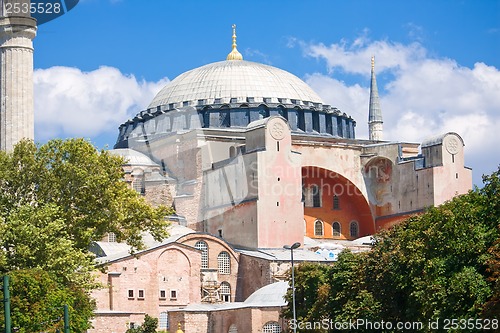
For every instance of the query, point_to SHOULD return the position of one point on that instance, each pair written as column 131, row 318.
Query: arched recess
column 341, row 201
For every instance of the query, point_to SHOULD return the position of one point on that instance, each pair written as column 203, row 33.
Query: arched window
column 163, row 321
column 203, row 247
column 225, row 292
column 271, row 327
column 138, row 185
column 354, row 229
column 318, row 228
column 336, row 229
column 336, row 202
column 232, row 329
column 224, row 263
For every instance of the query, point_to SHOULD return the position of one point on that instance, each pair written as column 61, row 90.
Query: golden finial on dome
column 234, row 54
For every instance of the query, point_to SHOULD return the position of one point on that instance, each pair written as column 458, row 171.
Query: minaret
column 375, row 122
column 234, row 54
column 16, row 73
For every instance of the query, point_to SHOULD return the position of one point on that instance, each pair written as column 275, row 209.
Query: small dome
column 271, row 295
column 226, row 80
column 133, row 157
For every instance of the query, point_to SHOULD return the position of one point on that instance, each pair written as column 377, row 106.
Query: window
column 336, row 229
column 130, row 293
column 138, row 185
column 336, row 202
column 225, row 292
column 224, row 119
column 233, row 329
column 163, row 321
column 316, row 193
column 111, row 237
column 271, row 327
column 312, row 196
column 203, row 247
column 318, row 228
column 140, row 294
column 173, row 294
column 224, row 263
column 354, row 229
column 163, row 294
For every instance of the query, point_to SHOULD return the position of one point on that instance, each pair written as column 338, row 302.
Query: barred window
column 111, row 237
column 336, row 229
column 336, row 202
column 233, row 329
column 163, row 321
column 203, row 247
column 271, row 327
column 225, row 291
column 138, row 185
column 318, row 228
column 354, row 229
column 224, row 263
column 316, row 192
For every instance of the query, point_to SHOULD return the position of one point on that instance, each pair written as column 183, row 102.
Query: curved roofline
column 438, row 139
column 213, row 81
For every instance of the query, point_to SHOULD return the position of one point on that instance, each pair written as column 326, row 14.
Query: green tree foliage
column 444, row 263
column 37, row 299
column 56, row 199
column 149, row 326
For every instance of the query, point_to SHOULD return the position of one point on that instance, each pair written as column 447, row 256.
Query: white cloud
column 69, row 102
column 424, row 96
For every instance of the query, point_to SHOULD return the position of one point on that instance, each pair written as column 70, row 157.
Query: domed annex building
column 252, row 159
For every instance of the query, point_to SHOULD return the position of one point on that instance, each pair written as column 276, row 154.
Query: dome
column 227, row 81
column 133, row 157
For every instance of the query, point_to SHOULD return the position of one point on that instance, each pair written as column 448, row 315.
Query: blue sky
column 437, row 62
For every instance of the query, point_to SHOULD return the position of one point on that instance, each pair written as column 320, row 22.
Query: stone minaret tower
column 16, row 73
column 375, row 122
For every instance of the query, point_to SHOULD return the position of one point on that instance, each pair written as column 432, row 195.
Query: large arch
column 341, row 201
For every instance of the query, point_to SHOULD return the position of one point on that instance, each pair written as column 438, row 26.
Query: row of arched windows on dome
column 223, row 258
column 319, row 229
column 309, row 121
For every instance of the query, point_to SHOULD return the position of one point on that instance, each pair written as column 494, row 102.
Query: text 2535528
column 32, row 8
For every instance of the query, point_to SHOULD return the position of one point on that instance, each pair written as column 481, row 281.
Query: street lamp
column 291, row 248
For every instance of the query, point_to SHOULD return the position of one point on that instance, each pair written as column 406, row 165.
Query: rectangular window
column 130, row 293
column 140, row 294
column 336, row 202
column 173, row 294
column 163, row 294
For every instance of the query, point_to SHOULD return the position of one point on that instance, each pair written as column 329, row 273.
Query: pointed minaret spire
column 234, row 54
column 375, row 122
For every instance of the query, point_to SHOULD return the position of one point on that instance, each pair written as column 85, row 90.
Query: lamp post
column 291, row 248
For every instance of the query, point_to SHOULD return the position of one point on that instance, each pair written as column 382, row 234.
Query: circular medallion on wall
column 452, row 145
column 278, row 130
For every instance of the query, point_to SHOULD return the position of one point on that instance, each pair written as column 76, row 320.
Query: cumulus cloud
column 69, row 102
column 422, row 95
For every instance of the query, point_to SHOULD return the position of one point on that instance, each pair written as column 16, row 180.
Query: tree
column 444, row 263
column 149, row 326
column 37, row 301
column 56, row 199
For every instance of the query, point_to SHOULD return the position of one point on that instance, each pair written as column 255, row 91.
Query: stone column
column 17, row 31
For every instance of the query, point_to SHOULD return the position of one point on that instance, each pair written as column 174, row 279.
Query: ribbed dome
column 229, row 80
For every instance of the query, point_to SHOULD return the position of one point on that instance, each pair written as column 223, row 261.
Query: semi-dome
column 238, row 81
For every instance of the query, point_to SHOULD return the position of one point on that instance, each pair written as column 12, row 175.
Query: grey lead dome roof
column 230, row 81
